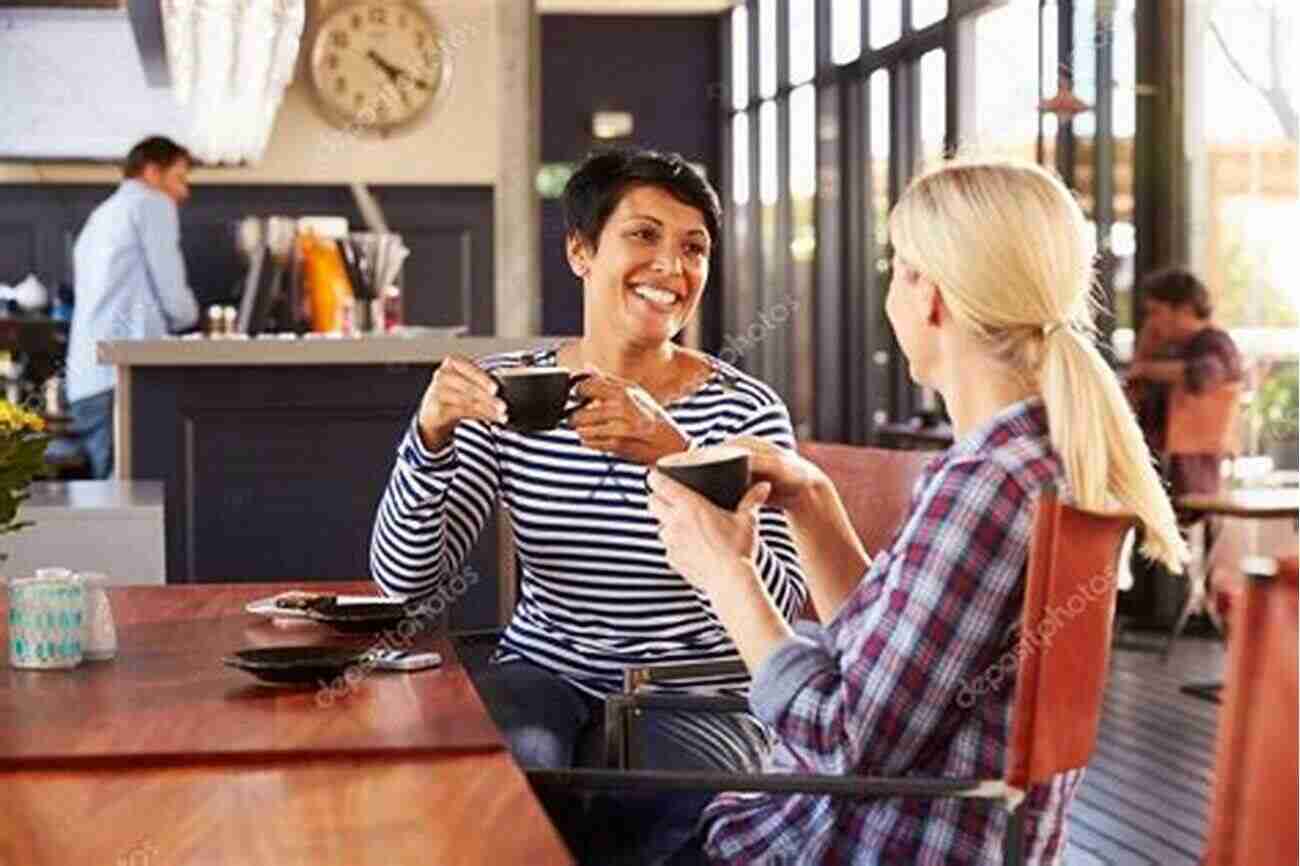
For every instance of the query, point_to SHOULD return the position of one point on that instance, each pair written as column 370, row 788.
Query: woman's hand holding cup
column 460, row 390
column 621, row 418
column 791, row 476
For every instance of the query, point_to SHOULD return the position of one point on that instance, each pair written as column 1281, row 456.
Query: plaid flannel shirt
column 898, row 682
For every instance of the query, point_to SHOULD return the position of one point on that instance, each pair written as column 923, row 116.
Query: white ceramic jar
column 99, row 636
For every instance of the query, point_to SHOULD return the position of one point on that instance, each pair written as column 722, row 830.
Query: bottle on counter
column 326, row 283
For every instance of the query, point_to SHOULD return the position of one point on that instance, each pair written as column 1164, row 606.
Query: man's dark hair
column 1178, row 286
column 157, row 150
column 596, row 188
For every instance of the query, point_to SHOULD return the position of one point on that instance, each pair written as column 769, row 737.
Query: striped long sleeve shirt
column 596, row 594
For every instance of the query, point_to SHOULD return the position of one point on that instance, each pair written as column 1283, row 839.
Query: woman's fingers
column 464, row 398
column 598, row 386
column 754, row 497
column 595, row 412
column 461, row 367
column 460, row 405
column 601, row 429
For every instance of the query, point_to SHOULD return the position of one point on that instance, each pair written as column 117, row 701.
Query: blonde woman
column 990, row 301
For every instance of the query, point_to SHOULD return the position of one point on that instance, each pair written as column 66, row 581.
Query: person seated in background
column 1179, row 347
column 989, row 302
column 596, row 595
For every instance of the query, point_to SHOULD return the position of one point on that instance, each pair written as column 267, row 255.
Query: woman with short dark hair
column 596, row 595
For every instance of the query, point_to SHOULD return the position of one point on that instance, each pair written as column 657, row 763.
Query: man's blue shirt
column 130, row 281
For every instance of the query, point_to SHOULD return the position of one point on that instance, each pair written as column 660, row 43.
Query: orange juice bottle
column 328, row 288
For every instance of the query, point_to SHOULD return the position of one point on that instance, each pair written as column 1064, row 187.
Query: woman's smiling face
column 644, row 280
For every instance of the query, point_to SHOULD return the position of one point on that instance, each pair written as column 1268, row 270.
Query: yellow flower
column 19, row 419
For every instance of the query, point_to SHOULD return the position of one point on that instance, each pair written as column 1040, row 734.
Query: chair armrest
column 477, row 635
column 684, row 702
column 776, row 783
column 620, row 708
column 635, row 678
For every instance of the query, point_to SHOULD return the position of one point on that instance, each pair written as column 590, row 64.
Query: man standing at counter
column 130, row 283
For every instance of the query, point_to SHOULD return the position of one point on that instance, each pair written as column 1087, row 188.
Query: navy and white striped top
column 596, row 594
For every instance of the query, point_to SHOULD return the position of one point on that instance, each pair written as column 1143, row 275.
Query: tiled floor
column 1145, row 796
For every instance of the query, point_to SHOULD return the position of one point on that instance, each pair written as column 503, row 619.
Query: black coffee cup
column 535, row 397
column 719, row 473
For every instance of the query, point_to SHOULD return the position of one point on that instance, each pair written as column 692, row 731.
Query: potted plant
column 1274, row 414
column 22, row 458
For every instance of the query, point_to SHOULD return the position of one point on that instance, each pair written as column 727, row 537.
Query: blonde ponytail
column 1086, row 408
column 1012, row 254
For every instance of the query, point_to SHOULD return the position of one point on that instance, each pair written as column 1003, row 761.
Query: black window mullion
column 834, row 282
column 864, row 25
column 747, row 307
column 777, row 343
column 1065, row 61
column 857, row 214
column 1103, row 169
column 717, row 323
column 904, row 131
column 952, row 45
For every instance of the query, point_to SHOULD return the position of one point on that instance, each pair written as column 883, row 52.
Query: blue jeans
column 548, row 723
column 92, row 422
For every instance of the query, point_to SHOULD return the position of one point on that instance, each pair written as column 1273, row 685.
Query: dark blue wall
column 665, row 71
column 447, row 278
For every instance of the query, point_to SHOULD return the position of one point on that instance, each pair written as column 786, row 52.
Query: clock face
column 377, row 65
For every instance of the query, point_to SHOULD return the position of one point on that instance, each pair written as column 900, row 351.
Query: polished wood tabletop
column 164, row 755
column 1262, row 503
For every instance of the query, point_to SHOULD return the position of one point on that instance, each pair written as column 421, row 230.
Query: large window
column 831, row 112
column 1243, row 197
column 838, row 103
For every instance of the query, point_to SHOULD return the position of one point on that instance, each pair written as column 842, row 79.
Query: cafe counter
column 274, row 453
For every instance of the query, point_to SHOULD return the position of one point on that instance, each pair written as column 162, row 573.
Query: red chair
column 1253, row 819
column 1056, row 711
column 875, row 485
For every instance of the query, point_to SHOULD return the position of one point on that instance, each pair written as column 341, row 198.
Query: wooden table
column 1254, row 503
column 165, row 756
column 1259, row 503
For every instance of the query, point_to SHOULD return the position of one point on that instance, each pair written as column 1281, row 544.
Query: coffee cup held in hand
column 535, row 397
column 720, row 473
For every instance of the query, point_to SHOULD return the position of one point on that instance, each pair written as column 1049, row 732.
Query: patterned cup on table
column 45, row 622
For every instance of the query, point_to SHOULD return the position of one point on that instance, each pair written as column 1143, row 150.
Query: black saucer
column 304, row 665
column 358, row 618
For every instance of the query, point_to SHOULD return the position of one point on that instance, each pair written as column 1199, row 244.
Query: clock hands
column 395, row 73
column 389, row 69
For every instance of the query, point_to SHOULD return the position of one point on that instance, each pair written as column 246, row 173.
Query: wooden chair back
column 1064, row 646
column 875, row 485
column 1205, row 422
column 1253, row 819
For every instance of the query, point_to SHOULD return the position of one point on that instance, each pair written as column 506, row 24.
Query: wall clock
column 377, row 66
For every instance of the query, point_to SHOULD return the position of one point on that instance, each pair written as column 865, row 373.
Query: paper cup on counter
column 46, row 616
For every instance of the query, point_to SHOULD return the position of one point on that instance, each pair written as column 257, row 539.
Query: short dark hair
column 596, row 188
column 155, row 149
column 1178, row 286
